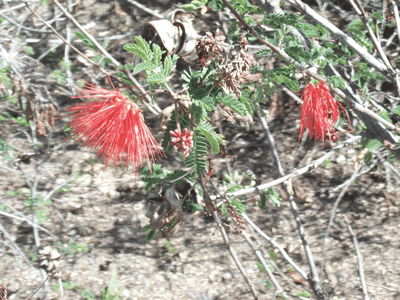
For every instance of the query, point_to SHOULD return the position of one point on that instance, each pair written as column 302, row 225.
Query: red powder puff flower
column 319, row 112
column 183, row 141
column 115, row 126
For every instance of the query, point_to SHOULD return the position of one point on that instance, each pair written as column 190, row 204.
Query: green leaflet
column 157, row 54
column 156, row 78
column 141, row 48
column 247, row 102
column 336, row 81
column 85, row 40
column 169, row 64
column 195, row 4
column 208, row 131
column 148, row 66
column 233, row 103
column 371, row 145
column 195, row 159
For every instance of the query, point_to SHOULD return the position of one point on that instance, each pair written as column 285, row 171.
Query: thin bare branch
column 226, row 239
column 277, row 245
column 146, row 9
column 16, row 247
column 296, row 173
column 359, row 259
column 264, row 263
column 335, row 206
column 314, row 278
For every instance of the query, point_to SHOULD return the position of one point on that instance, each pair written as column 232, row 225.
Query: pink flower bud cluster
column 182, row 140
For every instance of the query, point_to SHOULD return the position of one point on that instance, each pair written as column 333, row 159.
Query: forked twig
column 277, row 245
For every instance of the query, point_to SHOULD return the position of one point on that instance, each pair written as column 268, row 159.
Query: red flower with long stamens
column 115, row 126
column 319, row 112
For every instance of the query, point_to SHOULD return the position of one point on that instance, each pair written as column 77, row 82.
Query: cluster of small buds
column 208, row 48
column 182, row 140
column 48, row 260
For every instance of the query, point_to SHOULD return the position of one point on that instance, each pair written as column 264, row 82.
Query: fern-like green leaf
column 141, row 48
column 208, row 103
column 148, row 66
column 247, row 102
column 156, row 78
column 233, row 103
column 195, row 159
column 157, row 54
column 208, row 131
column 168, row 65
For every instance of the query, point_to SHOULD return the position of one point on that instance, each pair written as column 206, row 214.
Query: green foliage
column 146, row 228
column 208, row 131
column 194, row 4
column 86, row 41
column 248, row 103
column 281, row 75
column 215, row 5
column 141, row 49
column 88, row 295
column 336, row 81
column 262, row 269
column 358, row 32
column 304, row 294
column 327, row 163
column 240, row 206
column 71, row 248
column 159, row 175
column 363, row 74
column 195, row 160
column 29, row 50
column 262, row 201
column 233, row 102
column 60, row 75
column 157, row 72
column 150, row 235
column 371, row 145
column 268, row 284
column 272, row 195
column 111, row 292
column 169, row 247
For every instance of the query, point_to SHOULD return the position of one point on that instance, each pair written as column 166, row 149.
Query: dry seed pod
column 175, row 34
column 48, row 259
